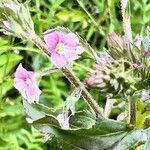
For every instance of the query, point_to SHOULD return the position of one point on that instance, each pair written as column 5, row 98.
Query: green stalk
column 132, row 110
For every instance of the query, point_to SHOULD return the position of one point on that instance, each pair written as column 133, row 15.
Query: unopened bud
column 115, row 41
column 96, row 77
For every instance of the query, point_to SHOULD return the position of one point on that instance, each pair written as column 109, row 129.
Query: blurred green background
column 92, row 20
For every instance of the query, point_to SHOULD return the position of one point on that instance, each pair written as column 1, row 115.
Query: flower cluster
column 63, row 48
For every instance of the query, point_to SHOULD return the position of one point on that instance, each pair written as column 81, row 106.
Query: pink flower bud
column 115, row 41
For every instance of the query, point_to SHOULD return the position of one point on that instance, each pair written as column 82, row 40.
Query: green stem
column 71, row 77
column 47, row 71
column 91, row 18
column 132, row 110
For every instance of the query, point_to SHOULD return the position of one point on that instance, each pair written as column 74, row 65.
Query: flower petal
column 59, row 60
column 22, row 73
column 20, row 84
column 70, row 55
column 52, row 39
column 70, row 39
column 33, row 93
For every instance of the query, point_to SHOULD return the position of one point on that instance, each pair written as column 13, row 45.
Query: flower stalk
column 47, row 71
column 132, row 110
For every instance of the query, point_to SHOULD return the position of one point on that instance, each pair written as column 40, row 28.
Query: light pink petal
column 22, row 73
column 33, row 93
column 70, row 55
column 52, row 39
column 70, row 39
column 20, row 84
column 38, row 94
column 58, row 59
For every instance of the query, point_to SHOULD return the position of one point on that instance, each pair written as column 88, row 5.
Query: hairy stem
column 132, row 110
column 48, row 71
column 71, row 77
column 108, row 107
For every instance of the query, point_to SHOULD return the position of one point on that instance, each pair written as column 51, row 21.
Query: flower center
column 59, row 46
column 28, row 81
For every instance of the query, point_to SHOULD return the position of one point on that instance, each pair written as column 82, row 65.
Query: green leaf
column 131, row 140
column 91, row 134
column 8, row 61
column 46, row 110
column 37, row 116
column 82, row 140
column 147, row 144
column 5, row 87
column 70, row 104
column 32, row 113
column 83, row 119
column 85, row 133
column 70, row 139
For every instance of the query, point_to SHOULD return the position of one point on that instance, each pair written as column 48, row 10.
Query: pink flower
column 63, row 47
column 26, row 84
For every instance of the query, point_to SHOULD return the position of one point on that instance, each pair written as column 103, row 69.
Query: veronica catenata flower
column 63, row 47
column 25, row 82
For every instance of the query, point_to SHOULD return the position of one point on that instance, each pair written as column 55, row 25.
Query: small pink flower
column 26, row 84
column 63, row 47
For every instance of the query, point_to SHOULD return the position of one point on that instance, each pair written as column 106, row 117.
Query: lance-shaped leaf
column 70, row 139
column 131, row 140
column 147, row 144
